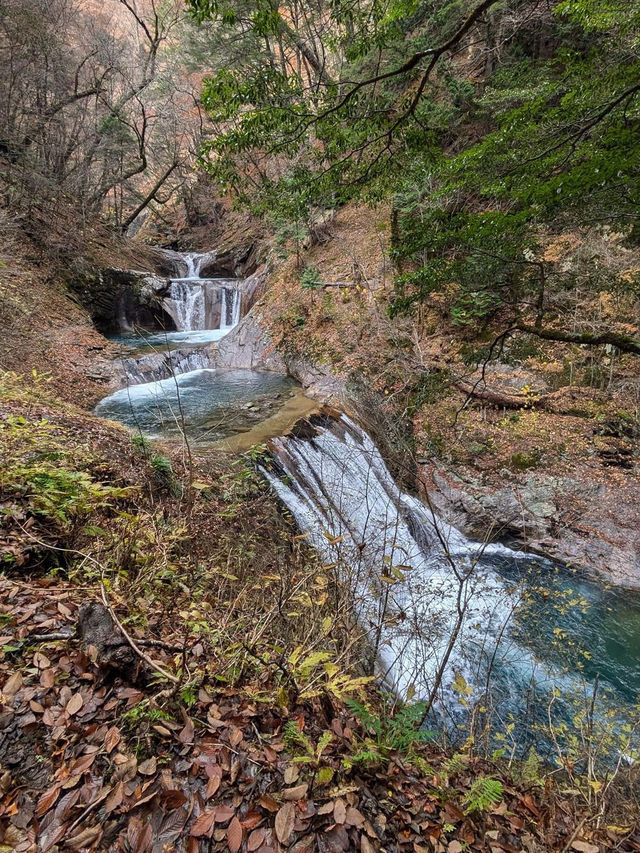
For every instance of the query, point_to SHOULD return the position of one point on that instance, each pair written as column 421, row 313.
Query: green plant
column 521, row 461
column 163, row 472
column 311, row 754
column 141, row 713
column 310, row 278
column 141, row 445
column 484, row 794
column 391, row 730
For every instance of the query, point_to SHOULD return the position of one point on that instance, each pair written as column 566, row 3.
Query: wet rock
column 120, row 299
column 576, row 520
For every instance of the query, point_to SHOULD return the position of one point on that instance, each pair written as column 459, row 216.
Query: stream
column 533, row 639
column 173, row 389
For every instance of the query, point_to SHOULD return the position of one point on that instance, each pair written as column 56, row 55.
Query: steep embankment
column 44, row 326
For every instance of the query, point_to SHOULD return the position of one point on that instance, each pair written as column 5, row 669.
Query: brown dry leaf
column 47, row 799
column 204, row 824
column 212, row 786
column 173, row 799
column 339, row 811
column 296, row 793
column 268, row 803
column 305, row 845
column 86, row 838
column 186, row 735
column 234, row 835
column 111, row 739
column 139, row 835
column 115, row 798
column 285, row 820
column 126, row 771
column 255, row 840
column 41, row 661
column 585, row 847
column 291, row 773
column 251, row 820
column 235, row 737
column 148, row 767
column 224, row 813
column 82, row 764
column 354, row 817
column 454, row 847
column 47, row 679
column 234, row 772
column 74, row 704
column 13, row 684
column 327, row 808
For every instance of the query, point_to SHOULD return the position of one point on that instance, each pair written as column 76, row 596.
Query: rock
column 575, row 519
column 96, row 628
column 121, row 299
column 249, row 346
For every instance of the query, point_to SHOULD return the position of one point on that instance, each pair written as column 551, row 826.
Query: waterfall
column 188, row 298
column 197, row 304
column 407, row 571
column 230, row 307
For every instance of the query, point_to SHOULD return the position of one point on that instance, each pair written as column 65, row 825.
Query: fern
column 483, row 795
column 294, row 739
column 390, row 732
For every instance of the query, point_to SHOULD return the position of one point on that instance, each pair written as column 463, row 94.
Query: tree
column 96, row 112
column 492, row 124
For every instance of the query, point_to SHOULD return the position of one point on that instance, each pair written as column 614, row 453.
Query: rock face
column 121, row 299
column 577, row 521
column 159, row 365
column 249, row 346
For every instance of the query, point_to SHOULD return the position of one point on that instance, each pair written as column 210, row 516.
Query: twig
column 145, row 657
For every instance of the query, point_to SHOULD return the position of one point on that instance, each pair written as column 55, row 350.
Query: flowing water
column 205, row 405
column 203, row 310
column 528, row 627
column 174, row 392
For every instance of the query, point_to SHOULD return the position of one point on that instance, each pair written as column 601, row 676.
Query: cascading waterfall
column 204, row 310
column 197, row 303
column 411, row 576
column 230, row 308
column 188, row 298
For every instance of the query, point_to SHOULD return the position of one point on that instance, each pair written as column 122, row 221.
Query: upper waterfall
column 196, row 303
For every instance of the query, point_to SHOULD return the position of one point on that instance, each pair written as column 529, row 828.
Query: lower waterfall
column 442, row 613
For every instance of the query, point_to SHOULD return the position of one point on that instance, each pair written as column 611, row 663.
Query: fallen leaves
column 234, row 835
column 74, row 704
column 222, row 773
column 285, row 819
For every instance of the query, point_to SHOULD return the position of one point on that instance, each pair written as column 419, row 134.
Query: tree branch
column 625, row 343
